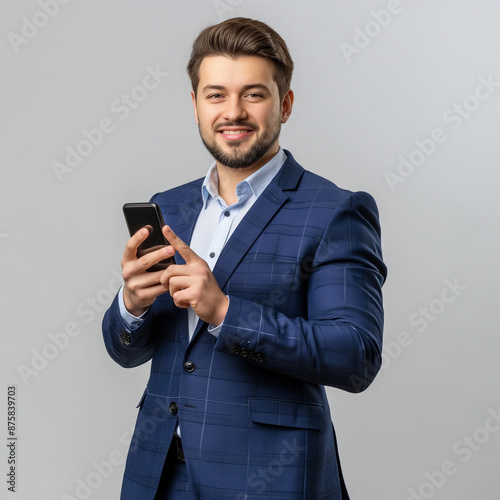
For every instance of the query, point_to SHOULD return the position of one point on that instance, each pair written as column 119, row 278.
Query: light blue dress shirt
column 215, row 224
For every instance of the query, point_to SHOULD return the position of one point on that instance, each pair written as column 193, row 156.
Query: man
column 277, row 294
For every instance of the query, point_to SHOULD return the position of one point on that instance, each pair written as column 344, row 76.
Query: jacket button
column 189, row 366
column 235, row 350
column 260, row 357
column 172, row 408
column 243, row 352
column 125, row 338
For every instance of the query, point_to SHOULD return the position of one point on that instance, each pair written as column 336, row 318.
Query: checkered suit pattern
column 304, row 272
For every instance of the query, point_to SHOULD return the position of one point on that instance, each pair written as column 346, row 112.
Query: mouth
column 235, row 133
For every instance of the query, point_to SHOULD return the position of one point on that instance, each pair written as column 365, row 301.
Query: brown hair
column 242, row 36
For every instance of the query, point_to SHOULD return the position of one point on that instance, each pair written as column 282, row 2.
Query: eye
column 214, row 96
column 254, row 96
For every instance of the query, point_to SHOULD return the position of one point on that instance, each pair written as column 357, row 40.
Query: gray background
column 358, row 110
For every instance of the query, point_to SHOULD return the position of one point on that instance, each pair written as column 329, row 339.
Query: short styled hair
column 241, row 36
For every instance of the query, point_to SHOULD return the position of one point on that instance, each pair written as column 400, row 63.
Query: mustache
column 242, row 124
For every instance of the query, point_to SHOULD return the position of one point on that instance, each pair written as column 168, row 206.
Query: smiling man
column 275, row 293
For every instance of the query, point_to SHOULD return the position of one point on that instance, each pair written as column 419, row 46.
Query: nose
column 235, row 109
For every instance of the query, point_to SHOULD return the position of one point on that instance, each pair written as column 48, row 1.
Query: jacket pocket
column 287, row 413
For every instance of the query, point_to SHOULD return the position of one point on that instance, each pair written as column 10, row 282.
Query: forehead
column 236, row 73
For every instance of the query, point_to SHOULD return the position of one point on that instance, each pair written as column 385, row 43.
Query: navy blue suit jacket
column 304, row 272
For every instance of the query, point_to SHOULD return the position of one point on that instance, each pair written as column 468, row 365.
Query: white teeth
column 234, row 131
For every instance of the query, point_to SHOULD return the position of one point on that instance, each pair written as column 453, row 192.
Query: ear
column 193, row 97
column 286, row 106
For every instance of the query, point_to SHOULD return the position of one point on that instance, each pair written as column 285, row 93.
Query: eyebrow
column 211, row 87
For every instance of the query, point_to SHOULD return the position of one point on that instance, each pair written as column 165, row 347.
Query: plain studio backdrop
column 399, row 98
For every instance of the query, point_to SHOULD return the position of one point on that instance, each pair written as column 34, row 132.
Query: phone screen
column 139, row 215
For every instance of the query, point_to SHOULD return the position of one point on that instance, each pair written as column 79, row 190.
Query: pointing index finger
column 183, row 249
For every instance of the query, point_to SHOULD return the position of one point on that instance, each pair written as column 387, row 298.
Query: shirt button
column 227, row 213
column 212, row 255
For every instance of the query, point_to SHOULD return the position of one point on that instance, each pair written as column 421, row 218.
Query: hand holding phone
column 140, row 287
column 192, row 284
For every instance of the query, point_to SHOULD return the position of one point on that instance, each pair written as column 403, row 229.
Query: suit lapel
column 183, row 213
column 248, row 230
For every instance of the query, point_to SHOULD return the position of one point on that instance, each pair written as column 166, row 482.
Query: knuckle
column 203, row 274
column 133, row 288
column 169, row 271
column 126, row 272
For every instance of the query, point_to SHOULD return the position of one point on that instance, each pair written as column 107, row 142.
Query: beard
column 242, row 159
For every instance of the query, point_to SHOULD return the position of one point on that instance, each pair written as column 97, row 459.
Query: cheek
column 205, row 123
column 206, row 115
column 267, row 116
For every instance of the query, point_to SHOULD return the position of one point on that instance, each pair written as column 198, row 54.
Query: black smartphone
column 139, row 215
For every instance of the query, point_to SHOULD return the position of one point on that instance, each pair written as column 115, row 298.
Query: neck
column 230, row 177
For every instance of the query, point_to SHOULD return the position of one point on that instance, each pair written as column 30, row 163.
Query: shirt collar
column 257, row 182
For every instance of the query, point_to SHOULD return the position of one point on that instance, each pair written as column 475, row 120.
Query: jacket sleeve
column 339, row 343
column 127, row 348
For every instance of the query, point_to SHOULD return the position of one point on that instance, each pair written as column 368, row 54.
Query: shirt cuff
column 131, row 322
column 215, row 330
